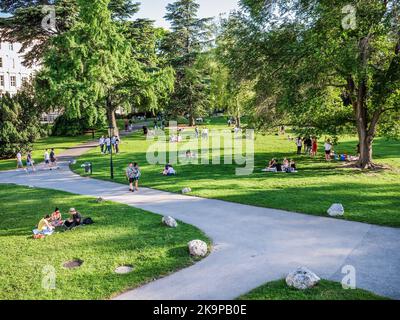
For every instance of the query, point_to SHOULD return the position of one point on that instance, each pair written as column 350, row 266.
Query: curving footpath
column 252, row 245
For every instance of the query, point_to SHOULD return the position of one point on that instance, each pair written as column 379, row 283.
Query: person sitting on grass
column 272, row 166
column 286, row 164
column 74, row 221
column 293, row 166
column 169, row 170
column 56, row 218
column 44, row 227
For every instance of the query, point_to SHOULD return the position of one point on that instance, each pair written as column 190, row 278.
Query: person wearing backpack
column 130, row 175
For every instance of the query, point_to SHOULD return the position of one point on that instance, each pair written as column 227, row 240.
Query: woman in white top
column 328, row 150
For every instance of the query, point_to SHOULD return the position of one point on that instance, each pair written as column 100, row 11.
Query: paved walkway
column 251, row 245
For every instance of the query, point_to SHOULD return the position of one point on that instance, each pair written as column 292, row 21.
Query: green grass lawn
column 59, row 143
column 371, row 197
column 325, row 290
column 121, row 235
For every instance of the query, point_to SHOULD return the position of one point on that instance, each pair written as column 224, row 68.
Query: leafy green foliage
column 24, row 25
column 19, row 122
column 305, row 60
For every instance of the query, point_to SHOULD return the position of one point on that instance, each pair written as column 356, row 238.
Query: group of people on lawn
column 288, row 166
column 49, row 223
column 107, row 144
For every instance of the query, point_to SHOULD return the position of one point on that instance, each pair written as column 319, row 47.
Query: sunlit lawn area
column 367, row 197
column 121, row 235
column 325, row 290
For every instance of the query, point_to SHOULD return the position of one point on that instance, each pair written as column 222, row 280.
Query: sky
column 155, row 9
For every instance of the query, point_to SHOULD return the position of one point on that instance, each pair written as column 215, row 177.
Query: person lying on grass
column 56, row 218
column 74, row 221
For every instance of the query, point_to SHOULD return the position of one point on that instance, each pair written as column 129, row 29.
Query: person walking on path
column 299, row 144
column 101, row 144
column 47, row 159
column 137, row 175
column 130, row 175
column 53, row 159
column 20, row 165
column 328, row 150
column 133, row 175
column 30, row 162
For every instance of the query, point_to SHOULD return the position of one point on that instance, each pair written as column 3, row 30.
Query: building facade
column 12, row 72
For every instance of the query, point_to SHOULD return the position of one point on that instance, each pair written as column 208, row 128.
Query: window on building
column 13, row 63
column 1, row 62
column 1, row 81
column 11, row 46
column 13, row 81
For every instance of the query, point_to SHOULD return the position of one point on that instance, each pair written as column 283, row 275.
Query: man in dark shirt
column 75, row 220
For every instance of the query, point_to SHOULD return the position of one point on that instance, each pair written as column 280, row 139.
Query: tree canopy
column 320, row 64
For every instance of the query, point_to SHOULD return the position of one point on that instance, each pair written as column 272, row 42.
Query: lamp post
column 111, row 131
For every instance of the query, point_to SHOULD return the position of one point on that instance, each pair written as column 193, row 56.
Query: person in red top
column 314, row 147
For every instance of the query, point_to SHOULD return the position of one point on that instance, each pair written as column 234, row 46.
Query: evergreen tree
column 25, row 24
column 183, row 45
column 85, row 66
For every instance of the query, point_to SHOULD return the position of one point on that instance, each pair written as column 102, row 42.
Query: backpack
column 87, row 221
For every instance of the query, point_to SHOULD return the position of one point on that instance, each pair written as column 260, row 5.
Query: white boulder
column 302, row 279
column 336, row 210
column 198, row 248
column 170, row 222
column 186, row 190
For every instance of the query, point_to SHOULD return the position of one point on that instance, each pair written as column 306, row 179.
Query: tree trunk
column 365, row 161
column 192, row 121
column 112, row 121
column 366, row 131
column 238, row 121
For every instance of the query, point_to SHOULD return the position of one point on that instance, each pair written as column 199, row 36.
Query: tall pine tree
column 189, row 36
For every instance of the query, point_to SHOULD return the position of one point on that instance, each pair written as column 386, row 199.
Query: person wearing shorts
column 328, row 150
column 47, row 158
column 130, row 175
column 53, row 159
column 137, row 175
column 29, row 162
column 20, row 165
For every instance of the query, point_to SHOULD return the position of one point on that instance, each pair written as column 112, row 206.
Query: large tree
column 25, row 23
column 85, row 67
column 103, row 63
column 311, row 57
column 183, row 45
